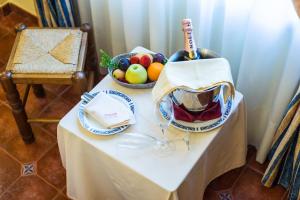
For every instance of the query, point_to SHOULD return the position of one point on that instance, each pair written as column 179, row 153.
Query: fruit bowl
column 116, row 59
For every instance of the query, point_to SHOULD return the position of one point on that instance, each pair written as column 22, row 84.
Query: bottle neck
column 189, row 42
column 189, row 45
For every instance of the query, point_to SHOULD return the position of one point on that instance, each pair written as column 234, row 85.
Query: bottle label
column 189, row 43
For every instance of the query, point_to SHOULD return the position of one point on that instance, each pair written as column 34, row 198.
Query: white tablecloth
column 97, row 169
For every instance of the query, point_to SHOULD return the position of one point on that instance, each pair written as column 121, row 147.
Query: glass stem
column 187, row 140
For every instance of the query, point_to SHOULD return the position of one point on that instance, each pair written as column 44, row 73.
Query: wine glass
column 160, row 146
column 165, row 104
column 186, row 139
column 168, row 106
column 138, row 141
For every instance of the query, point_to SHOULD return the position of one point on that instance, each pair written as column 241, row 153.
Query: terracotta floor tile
column 2, row 95
column 33, row 19
column 30, row 22
column 1, row 14
column 51, row 128
column 8, row 127
column 2, row 67
column 11, row 20
column 251, row 152
column 24, row 14
column 249, row 187
column 60, row 197
column 226, row 180
column 30, row 152
column 71, row 95
column 58, row 109
column 35, row 105
column 3, row 31
column 9, row 171
column 6, row 10
column 51, row 169
column 252, row 163
column 261, row 168
column 30, row 188
column 65, row 191
column 6, row 196
column 210, row 195
column 285, row 196
column 6, row 44
column 55, row 89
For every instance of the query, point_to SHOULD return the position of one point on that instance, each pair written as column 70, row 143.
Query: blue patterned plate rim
column 85, row 124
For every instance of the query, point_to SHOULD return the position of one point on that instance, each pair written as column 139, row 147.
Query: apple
column 118, row 74
column 136, row 58
column 136, row 74
column 146, row 60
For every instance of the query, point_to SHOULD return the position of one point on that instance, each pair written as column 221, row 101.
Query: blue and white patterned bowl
column 128, row 85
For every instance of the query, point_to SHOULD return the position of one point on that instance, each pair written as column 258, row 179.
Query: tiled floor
column 35, row 172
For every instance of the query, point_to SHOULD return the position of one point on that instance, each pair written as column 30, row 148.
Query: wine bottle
column 189, row 42
column 192, row 100
column 190, row 51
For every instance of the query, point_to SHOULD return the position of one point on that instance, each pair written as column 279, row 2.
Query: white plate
column 88, row 123
column 200, row 126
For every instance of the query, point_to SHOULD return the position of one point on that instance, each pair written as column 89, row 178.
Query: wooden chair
column 15, row 74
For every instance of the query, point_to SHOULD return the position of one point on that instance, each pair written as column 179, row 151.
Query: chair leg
column 90, row 80
column 91, row 63
column 80, row 81
column 18, row 110
column 38, row 90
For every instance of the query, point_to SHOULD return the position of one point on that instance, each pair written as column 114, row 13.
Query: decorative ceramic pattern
column 225, row 196
column 28, row 169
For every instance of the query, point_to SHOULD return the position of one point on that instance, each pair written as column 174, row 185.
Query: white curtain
column 260, row 38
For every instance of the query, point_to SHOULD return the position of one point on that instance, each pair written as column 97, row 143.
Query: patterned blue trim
column 85, row 124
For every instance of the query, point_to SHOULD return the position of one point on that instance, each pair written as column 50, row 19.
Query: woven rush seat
column 47, row 51
column 60, row 56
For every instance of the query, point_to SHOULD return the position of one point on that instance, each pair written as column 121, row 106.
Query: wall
column 27, row 5
column 2, row 2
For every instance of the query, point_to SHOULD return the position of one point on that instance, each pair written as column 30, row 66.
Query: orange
column 154, row 70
